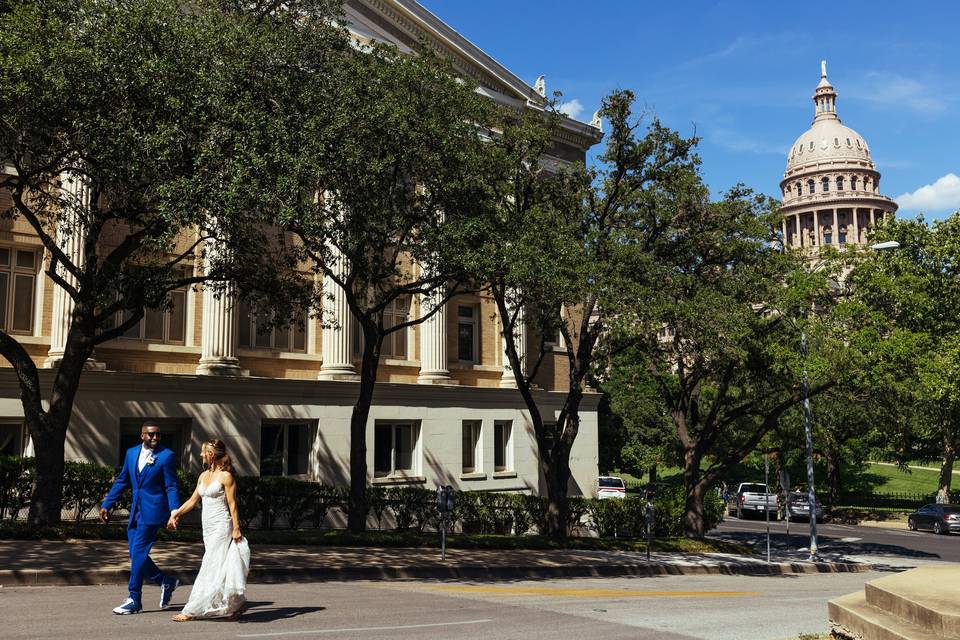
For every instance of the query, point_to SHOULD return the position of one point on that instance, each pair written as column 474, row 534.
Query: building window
column 285, row 337
column 842, row 237
column 13, row 438
column 168, row 326
column 502, row 445
column 811, row 187
column 472, row 447
column 395, row 344
column 853, row 183
column 395, row 445
column 18, row 277
column 826, row 184
column 284, row 448
column 840, row 183
column 467, row 333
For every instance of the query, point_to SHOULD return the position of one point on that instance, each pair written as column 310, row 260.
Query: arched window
column 839, row 183
column 826, row 184
column 827, row 235
column 853, row 183
column 799, row 189
column 811, row 186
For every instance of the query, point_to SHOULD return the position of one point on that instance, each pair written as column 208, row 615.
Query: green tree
column 397, row 199
column 169, row 129
column 915, row 291
column 553, row 259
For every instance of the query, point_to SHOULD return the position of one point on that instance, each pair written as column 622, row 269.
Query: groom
column 151, row 470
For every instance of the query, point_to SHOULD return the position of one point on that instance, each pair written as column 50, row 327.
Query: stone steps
column 921, row 604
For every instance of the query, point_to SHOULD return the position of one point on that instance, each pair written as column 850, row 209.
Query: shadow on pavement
column 259, row 612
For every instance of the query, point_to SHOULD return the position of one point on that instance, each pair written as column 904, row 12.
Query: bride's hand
column 236, row 534
column 172, row 522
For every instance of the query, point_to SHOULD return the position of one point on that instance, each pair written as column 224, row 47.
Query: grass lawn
column 892, row 480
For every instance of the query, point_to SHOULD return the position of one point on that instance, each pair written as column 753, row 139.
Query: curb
column 56, row 577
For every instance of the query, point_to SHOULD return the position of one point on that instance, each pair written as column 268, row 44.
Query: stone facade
column 282, row 400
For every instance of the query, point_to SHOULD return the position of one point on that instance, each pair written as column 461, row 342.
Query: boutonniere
column 151, row 459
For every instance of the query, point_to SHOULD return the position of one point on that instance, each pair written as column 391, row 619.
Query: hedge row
column 275, row 502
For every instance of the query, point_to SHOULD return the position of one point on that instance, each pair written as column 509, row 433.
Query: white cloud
column 894, row 90
column 942, row 195
column 573, row 108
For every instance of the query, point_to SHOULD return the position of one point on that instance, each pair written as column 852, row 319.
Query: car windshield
column 753, row 488
column 951, row 509
column 616, row 483
column 799, row 497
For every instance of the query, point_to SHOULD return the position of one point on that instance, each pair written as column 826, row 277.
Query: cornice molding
column 113, row 386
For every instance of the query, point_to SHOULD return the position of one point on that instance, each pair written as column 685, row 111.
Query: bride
column 221, row 584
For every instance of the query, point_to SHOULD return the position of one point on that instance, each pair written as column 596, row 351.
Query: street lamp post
column 808, row 432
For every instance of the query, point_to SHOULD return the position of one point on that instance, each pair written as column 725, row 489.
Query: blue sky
column 740, row 74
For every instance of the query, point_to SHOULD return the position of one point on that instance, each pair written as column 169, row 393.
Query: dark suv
column 798, row 506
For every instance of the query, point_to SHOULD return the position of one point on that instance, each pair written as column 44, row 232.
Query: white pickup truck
column 752, row 497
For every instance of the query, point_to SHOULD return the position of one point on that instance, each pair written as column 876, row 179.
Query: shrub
column 403, row 503
column 248, row 499
column 84, row 485
column 536, row 506
column 326, row 498
column 496, row 512
column 16, row 483
column 468, row 512
column 285, row 499
column 609, row 517
column 522, row 520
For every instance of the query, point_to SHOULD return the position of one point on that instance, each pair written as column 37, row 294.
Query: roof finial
column 823, row 68
column 541, row 86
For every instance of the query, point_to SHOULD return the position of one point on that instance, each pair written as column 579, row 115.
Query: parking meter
column 445, row 505
column 648, row 520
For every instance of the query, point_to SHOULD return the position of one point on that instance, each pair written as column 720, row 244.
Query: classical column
column 835, row 236
column 856, row 227
column 817, row 240
column 507, row 379
column 433, row 341
column 783, row 227
column 337, row 344
column 70, row 232
column 218, row 342
column 873, row 220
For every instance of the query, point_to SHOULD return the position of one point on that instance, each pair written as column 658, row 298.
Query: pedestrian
column 220, row 587
column 150, row 471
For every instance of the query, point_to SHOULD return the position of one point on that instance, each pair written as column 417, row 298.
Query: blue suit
column 155, row 495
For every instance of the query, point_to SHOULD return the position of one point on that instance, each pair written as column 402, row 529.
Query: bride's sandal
column 182, row 617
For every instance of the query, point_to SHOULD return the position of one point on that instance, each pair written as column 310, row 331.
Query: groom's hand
column 104, row 516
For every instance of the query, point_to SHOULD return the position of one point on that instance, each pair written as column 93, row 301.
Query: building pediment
column 405, row 24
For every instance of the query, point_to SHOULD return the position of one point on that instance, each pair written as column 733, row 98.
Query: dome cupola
column 831, row 188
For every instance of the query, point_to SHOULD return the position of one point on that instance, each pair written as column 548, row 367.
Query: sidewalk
column 81, row 562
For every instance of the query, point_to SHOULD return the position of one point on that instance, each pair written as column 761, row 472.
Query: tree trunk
column 653, row 474
column 694, row 518
column 834, row 483
column 357, row 509
column 558, row 479
column 948, row 455
column 50, row 434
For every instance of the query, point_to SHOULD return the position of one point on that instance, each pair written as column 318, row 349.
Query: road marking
column 850, row 539
column 352, row 629
column 589, row 593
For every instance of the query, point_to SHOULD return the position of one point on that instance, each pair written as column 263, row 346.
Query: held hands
column 104, row 516
column 174, row 519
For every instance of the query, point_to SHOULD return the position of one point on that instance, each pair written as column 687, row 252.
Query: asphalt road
column 899, row 545
column 662, row 608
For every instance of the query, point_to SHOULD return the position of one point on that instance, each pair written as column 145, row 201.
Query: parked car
column 752, row 497
column 798, row 506
column 610, row 487
column 939, row 518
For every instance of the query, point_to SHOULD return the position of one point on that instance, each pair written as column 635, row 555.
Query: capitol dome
column 831, row 188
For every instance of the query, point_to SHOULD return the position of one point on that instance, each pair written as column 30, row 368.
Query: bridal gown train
column 220, row 587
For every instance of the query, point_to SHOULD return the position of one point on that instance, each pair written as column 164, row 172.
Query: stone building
column 444, row 411
column 831, row 188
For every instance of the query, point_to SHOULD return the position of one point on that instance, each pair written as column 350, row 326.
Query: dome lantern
column 825, row 97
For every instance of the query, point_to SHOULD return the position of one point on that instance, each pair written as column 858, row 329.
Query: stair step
column 926, row 596
column 854, row 615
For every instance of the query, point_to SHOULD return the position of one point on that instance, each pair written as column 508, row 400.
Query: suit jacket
column 155, row 489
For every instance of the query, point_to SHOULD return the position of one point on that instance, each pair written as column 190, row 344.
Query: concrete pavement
column 84, row 562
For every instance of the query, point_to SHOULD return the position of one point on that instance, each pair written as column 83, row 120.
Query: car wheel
column 938, row 528
column 911, row 524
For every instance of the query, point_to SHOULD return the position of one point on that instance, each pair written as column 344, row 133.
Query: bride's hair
column 221, row 458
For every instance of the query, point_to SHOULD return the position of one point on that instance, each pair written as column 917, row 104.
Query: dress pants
column 140, row 538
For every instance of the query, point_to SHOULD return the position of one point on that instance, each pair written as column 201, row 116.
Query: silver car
column 798, row 506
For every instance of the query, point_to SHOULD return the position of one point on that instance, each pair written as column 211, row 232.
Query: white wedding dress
column 220, row 587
